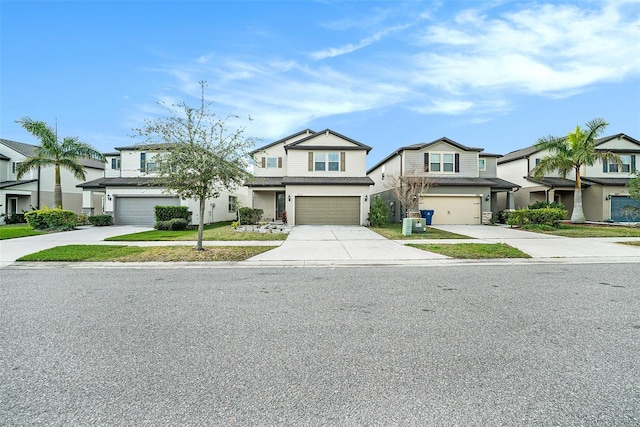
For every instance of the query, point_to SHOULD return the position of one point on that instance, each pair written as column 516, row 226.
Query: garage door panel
column 453, row 209
column 140, row 211
column 334, row 210
column 625, row 209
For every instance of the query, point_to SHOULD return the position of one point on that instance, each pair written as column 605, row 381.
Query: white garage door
column 140, row 210
column 335, row 210
column 453, row 209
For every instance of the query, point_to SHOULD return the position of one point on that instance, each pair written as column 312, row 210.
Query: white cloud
column 471, row 65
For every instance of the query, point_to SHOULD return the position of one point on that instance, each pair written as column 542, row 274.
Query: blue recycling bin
column 427, row 214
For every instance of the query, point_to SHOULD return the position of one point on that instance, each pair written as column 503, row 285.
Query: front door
column 280, row 204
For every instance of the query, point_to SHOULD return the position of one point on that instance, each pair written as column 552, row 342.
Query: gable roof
column 528, row 151
column 294, row 145
column 3, row 157
column 307, row 131
column 29, row 150
column 20, row 147
column 160, row 146
column 422, row 145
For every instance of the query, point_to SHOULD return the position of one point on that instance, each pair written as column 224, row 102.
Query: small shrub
column 166, row 213
column 100, row 220
column 378, row 212
column 546, row 216
column 543, row 205
column 249, row 215
column 503, row 216
column 82, row 219
column 284, row 217
column 234, row 225
column 15, row 218
column 174, row 224
column 51, row 219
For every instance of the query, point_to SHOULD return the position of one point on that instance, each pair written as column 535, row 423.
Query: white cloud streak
column 472, row 64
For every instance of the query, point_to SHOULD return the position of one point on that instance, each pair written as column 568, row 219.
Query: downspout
column 402, row 208
column 38, row 191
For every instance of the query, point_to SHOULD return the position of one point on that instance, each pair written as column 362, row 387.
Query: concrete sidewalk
column 326, row 245
column 539, row 245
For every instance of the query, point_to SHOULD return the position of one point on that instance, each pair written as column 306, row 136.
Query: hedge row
column 546, row 216
column 249, row 215
column 167, row 213
column 51, row 219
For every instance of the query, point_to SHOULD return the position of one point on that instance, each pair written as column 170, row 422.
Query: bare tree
column 409, row 187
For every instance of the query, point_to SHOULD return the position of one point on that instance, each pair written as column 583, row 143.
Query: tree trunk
column 201, row 224
column 577, row 216
column 57, row 189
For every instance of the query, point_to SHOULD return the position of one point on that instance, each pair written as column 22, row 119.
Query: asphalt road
column 469, row 346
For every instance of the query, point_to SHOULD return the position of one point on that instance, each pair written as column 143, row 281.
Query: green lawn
column 13, row 231
column 574, row 230
column 393, row 231
column 103, row 253
column 221, row 231
column 631, row 243
column 473, row 250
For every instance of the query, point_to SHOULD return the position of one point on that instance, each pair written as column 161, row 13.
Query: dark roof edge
column 281, row 140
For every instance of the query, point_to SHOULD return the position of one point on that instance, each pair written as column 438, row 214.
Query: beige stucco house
column 129, row 190
column 464, row 189
column 35, row 188
column 605, row 196
column 316, row 177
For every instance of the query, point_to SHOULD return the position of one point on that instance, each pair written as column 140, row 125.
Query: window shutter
column 633, row 163
column 264, row 162
column 604, row 166
column 343, row 161
column 310, row 161
column 279, row 162
column 426, row 162
column 457, row 162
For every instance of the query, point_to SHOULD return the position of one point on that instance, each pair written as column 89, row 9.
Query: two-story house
column 35, row 188
column 316, row 177
column 130, row 190
column 605, row 196
column 464, row 188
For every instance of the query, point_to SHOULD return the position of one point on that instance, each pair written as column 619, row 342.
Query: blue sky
column 489, row 74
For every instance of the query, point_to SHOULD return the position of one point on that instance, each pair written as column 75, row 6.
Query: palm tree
column 570, row 153
column 52, row 152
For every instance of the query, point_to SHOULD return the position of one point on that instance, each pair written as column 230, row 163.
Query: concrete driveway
column 341, row 243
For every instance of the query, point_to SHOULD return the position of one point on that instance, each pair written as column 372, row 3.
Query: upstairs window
column 627, row 166
column 271, row 162
column 115, row 163
column 332, row 161
column 152, row 166
column 15, row 166
column 143, row 162
column 482, row 164
column 442, row 162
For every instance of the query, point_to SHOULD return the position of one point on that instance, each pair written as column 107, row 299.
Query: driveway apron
column 341, row 243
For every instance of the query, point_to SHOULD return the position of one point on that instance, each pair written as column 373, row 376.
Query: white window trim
column 482, row 169
column 620, row 168
column 326, row 161
column 442, row 162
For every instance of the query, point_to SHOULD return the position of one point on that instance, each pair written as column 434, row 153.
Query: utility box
column 407, row 226
column 419, row 225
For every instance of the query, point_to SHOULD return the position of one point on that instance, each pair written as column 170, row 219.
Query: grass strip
column 13, row 231
column 117, row 253
column 578, row 231
column 393, row 231
column 220, row 231
column 473, row 250
column 630, row 243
